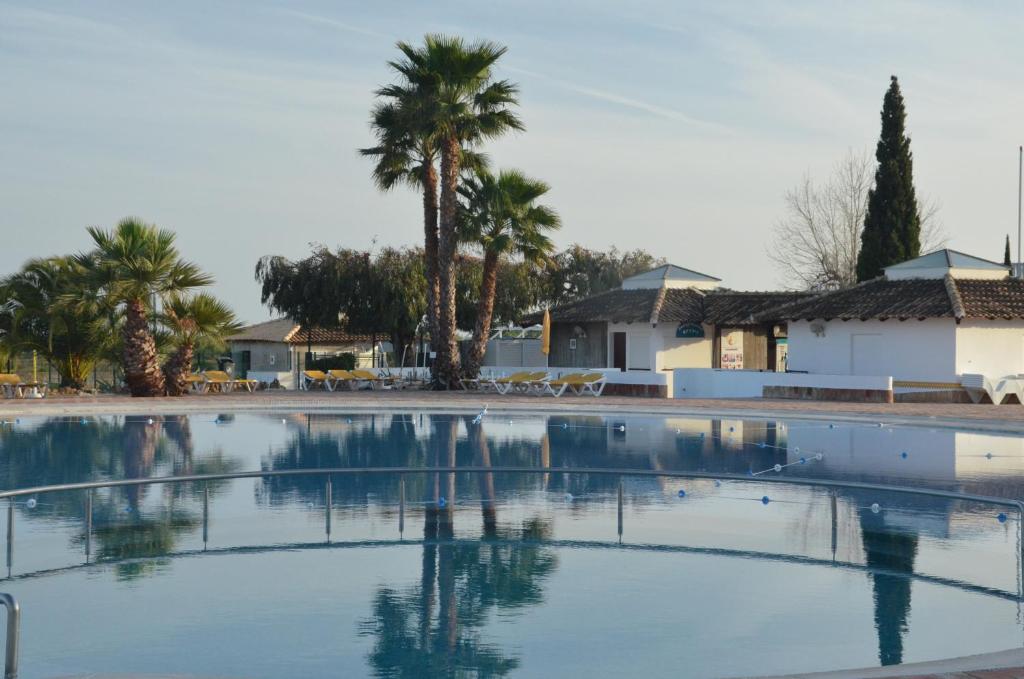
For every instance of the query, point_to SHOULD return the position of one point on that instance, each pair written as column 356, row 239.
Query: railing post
column 1020, row 547
column 620, row 510
column 206, row 515
column 328, row 509
column 13, row 633
column 835, row 521
column 401, row 505
column 88, row 525
column 10, row 536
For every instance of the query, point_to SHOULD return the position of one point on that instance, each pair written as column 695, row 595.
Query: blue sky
column 671, row 126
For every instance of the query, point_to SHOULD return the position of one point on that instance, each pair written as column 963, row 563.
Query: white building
column 930, row 319
column 665, row 319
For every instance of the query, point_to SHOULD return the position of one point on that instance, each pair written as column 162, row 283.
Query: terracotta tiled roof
column 876, row 299
column 672, row 305
column 747, row 308
column 992, row 298
column 915, row 298
column 288, row 331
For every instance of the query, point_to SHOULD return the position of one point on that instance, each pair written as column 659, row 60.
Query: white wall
column 905, row 350
column 639, row 345
column 715, row 383
column 673, row 352
column 991, row 348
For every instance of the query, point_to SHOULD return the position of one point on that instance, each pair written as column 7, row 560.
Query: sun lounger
column 218, row 380
column 196, row 383
column 535, row 380
column 375, row 381
column 336, row 378
column 15, row 387
column 503, row 385
column 312, row 378
column 557, row 387
column 589, row 383
column 978, row 386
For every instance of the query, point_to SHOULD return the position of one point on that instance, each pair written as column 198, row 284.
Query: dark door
column 619, row 350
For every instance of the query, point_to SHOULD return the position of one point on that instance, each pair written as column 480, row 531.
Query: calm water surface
column 506, row 574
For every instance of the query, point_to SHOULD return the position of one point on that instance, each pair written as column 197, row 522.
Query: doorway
column 619, row 350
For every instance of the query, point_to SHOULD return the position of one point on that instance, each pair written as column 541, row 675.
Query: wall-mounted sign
column 732, row 350
column 572, row 344
column 690, row 330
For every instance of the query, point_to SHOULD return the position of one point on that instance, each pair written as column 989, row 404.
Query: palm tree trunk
column 177, row 369
column 484, row 314
column 430, row 243
column 142, row 371
column 448, row 362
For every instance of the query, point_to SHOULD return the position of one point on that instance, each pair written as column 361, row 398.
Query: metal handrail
column 13, row 633
column 607, row 471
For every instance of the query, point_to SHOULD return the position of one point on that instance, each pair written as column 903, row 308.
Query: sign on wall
column 690, row 331
column 732, row 350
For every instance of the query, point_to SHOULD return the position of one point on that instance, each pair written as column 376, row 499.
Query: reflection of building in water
column 864, row 451
column 969, row 462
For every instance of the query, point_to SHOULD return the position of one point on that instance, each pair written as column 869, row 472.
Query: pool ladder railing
column 13, row 632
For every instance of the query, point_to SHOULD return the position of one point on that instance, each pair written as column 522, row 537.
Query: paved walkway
column 976, row 416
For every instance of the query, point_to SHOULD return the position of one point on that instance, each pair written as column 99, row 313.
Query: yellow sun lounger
column 218, row 380
column 312, row 378
column 375, row 381
column 336, row 378
column 578, row 383
column 15, row 387
column 522, row 382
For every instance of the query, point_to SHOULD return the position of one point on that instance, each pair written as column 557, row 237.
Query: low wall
column 713, row 383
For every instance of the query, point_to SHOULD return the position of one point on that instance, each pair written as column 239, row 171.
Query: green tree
column 52, row 308
column 401, row 296
column 304, row 291
column 892, row 226
column 133, row 264
column 501, row 216
column 1007, row 259
column 579, row 272
column 191, row 320
column 463, row 104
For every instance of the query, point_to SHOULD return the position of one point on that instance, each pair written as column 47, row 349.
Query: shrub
column 345, row 361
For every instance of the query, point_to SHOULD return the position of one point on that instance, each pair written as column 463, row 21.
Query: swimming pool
column 519, row 573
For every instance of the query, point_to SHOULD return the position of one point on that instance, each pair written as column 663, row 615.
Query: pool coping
column 1006, row 419
column 980, row 666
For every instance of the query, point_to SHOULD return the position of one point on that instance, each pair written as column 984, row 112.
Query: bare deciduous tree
column 815, row 245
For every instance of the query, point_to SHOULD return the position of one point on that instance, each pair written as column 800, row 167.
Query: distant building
column 930, row 319
column 670, row 317
column 275, row 350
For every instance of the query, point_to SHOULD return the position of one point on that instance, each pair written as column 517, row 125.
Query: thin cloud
column 334, row 23
column 628, row 102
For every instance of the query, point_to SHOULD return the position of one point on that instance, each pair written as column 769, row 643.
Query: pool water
column 507, row 574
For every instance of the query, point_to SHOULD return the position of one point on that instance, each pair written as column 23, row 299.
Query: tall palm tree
column 406, row 153
column 500, row 214
column 462, row 105
column 190, row 320
column 133, row 263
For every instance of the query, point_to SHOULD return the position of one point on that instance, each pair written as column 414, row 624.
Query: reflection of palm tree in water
column 179, row 431
column 139, row 441
column 463, row 582
column 891, row 550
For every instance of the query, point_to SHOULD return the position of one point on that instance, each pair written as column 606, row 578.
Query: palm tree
column 192, row 319
column 461, row 105
column 133, row 263
column 501, row 215
column 52, row 309
column 406, row 153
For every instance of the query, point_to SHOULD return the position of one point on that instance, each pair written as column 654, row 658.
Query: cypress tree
column 892, row 225
column 1006, row 252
